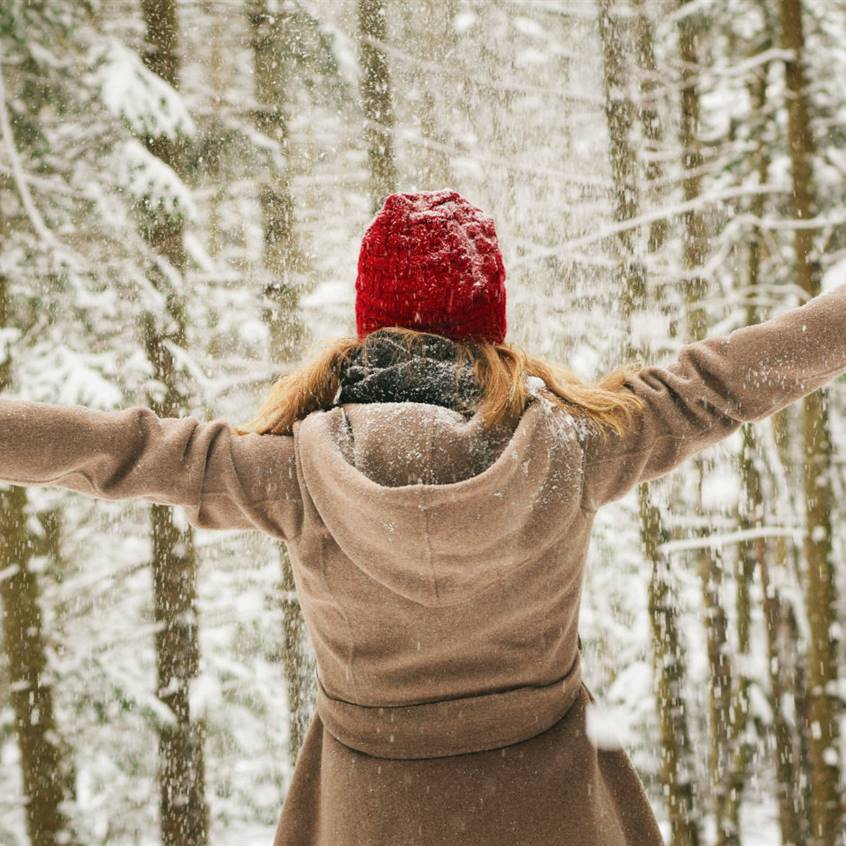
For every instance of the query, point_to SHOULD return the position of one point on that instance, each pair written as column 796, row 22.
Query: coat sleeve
column 221, row 479
column 714, row 386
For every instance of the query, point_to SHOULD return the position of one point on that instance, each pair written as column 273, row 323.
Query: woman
column 436, row 488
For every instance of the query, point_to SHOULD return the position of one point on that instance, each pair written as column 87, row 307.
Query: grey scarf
column 382, row 370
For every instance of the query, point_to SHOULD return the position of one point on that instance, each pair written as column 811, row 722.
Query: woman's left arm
column 222, row 480
column 713, row 387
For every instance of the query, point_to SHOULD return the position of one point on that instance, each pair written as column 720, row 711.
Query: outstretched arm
column 222, row 480
column 713, row 387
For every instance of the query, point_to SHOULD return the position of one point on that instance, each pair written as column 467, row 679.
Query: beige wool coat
column 440, row 573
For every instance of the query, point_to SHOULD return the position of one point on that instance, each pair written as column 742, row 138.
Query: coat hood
column 431, row 506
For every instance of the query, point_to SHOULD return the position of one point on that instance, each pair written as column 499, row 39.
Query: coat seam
column 582, row 506
column 425, row 500
column 342, row 611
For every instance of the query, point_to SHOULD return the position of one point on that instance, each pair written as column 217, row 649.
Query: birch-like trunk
column 820, row 591
column 282, row 259
column 283, row 262
column 218, row 81
column 758, row 554
column 437, row 43
column 694, row 254
column 46, row 771
column 183, row 809
column 376, row 101
column 667, row 646
column 649, row 116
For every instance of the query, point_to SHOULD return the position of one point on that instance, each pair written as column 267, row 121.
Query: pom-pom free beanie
column 430, row 261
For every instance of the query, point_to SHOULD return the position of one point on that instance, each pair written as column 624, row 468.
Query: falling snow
column 260, row 172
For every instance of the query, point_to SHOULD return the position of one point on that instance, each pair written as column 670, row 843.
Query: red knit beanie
column 430, row 261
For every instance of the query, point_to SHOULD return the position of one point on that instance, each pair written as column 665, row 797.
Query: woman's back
column 439, row 561
column 439, row 569
column 450, row 589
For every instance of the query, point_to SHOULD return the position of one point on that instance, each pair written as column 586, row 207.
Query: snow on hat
column 430, row 261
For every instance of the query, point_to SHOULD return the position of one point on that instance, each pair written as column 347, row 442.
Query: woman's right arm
column 221, row 480
column 713, row 387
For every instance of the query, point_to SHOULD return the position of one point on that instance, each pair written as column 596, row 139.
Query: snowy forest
column 183, row 189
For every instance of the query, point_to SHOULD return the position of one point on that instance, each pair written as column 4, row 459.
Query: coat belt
column 450, row 726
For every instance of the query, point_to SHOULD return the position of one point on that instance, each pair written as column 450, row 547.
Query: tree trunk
column 751, row 514
column 436, row 37
column 757, row 553
column 46, row 771
column 619, row 115
column 668, row 665
column 630, row 278
column 649, row 116
column 376, row 102
column 694, row 253
column 283, row 261
column 785, row 741
column 219, row 82
column 825, row 812
column 183, row 809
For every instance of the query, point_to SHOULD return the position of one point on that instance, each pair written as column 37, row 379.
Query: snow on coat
column 440, row 573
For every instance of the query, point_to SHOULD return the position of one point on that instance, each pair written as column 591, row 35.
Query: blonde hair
column 500, row 370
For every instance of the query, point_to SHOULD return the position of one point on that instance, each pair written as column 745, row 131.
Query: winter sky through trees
column 183, row 189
